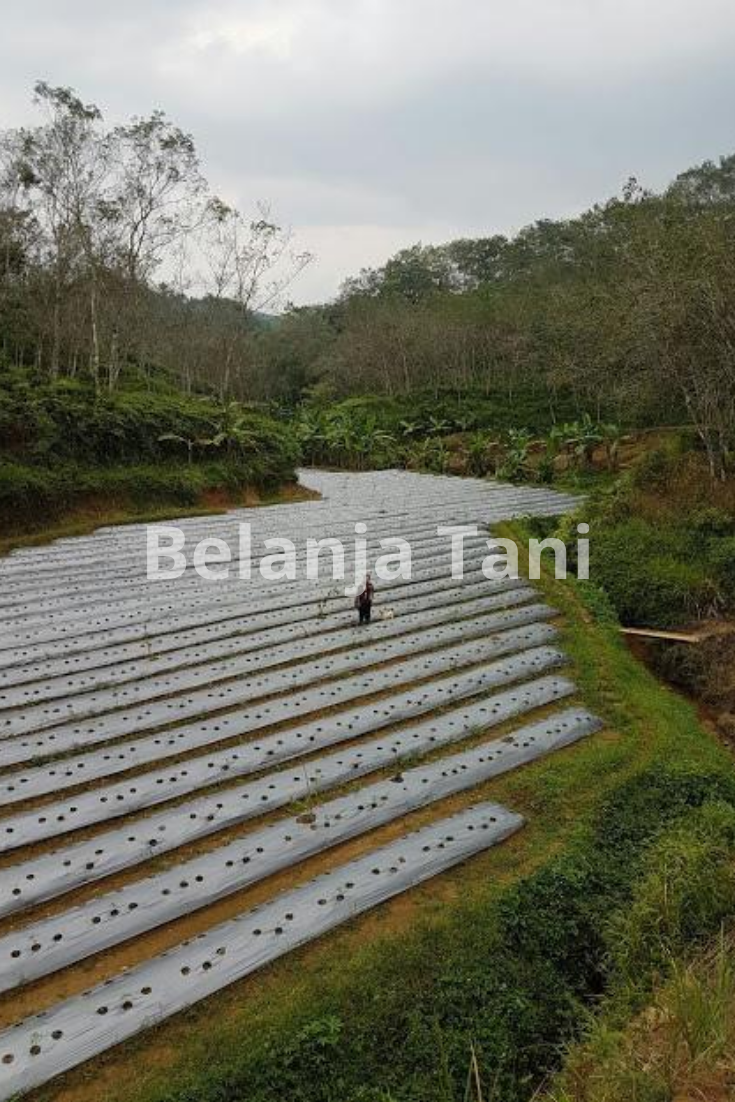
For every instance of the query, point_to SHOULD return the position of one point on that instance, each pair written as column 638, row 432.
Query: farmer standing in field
column 364, row 601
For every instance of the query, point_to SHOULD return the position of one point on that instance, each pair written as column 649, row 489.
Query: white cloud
column 350, row 47
column 273, row 33
column 373, row 123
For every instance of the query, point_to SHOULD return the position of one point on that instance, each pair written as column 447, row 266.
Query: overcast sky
column 372, row 124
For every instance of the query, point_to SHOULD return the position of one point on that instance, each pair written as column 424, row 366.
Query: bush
column 25, row 489
column 709, row 521
column 656, row 574
column 654, row 470
column 721, row 559
column 640, row 809
column 67, row 422
column 61, row 445
column 30, row 493
column 646, row 586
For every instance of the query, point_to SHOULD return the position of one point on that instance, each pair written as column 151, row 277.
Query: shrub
column 30, row 493
column 654, row 470
column 721, row 560
column 641, row 808
column 24, row 489
column 68, row 422
column 648, row 575
column 711, row 521
column 62, row 444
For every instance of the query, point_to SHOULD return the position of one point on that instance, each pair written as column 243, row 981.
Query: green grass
column 505, row 957
column 680, row 1046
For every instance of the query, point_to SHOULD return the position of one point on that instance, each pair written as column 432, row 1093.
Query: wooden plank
column 671, row 636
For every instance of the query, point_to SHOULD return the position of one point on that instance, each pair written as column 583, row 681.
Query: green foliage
column 680, row 1043
column 481, row 454
column 30, row 493
column 61, row 444
column 430, row 455
column 710, row 521
column 623, row 314
column 27, row 490
column 654, row 471
column 345, row 437
column 645, row 572
column 680, row 1047
column 686, row 892
column 721, row 558
column 599, row 604
column 380, row 430
column 515, row 465
column 512, row 975
column 68, row 421
column 660, row 550
column 475, row 434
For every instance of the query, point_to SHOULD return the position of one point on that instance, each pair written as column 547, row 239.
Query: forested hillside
column 136, row 307
column 129, row 293
column 117, row 255
column 150, row 364
column 629, row 309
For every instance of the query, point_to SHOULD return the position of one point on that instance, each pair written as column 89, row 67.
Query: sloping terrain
column 168, row 744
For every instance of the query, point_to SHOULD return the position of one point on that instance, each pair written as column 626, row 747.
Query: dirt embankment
column 703, row 670
column 99, row 511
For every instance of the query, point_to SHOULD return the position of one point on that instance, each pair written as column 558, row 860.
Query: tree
column 90, row 216
column 59, row 171
column 159, row 192
column 249, row 264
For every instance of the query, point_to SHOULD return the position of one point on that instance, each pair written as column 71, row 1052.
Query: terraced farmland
column 166, row 745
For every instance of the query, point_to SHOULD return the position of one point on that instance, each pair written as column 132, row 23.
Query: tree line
column 116, row 256
column 117, row 260
column 630, row 308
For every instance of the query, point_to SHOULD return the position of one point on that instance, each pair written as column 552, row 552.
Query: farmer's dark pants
column 365, row 611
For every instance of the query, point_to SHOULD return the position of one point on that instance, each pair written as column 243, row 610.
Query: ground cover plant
column 510, row 972
column 63, row 446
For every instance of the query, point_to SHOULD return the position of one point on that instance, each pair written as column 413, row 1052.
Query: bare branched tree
column 99, row 215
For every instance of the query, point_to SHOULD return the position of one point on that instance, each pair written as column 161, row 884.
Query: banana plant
column 438, row 426
column 589, row 437
column 191, row 443
column 480, row 453
column 234, row 430
column 515, row 464
column 409, row 428
column 556, row 443
column 611, row 437
column 310, row 433
column 375, row 444
column 431, row 455
column 466, row 421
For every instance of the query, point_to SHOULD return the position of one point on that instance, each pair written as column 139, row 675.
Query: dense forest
column 629, row 308
column 148, row 354
column 121, row 267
